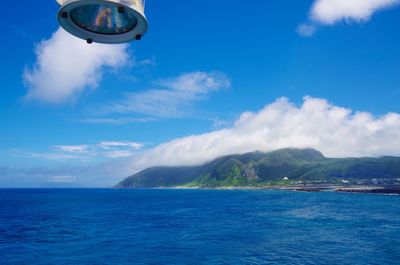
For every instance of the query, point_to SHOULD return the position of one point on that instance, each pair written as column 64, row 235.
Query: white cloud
column 336, row 131
column 66, row 65
column 329, row 12
column 175, row 99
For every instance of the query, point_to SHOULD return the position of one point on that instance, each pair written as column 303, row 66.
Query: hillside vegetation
column 282, row 167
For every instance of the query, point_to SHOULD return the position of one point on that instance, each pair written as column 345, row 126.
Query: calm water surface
column 197, row 227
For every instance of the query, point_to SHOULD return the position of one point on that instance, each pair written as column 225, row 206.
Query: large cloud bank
column 336, row 131
column 66, row 65
column 329, row 12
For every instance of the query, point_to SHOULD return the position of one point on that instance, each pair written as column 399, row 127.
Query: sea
column 113, row 226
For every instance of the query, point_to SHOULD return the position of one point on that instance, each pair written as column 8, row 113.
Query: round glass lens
column 104, row 19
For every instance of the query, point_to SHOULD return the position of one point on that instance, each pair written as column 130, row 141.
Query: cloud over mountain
column 334, row 130
column 316, row 123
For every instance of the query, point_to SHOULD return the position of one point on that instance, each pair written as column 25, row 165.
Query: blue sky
column 208, row 79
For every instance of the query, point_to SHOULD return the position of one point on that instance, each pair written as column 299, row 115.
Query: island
column 288, row 169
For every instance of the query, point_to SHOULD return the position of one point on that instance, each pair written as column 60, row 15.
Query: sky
column 209, row 78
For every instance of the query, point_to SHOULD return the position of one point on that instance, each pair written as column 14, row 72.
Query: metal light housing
column 104, row 21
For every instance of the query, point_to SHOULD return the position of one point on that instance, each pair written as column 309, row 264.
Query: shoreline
column 393, row 190
column 383, row 190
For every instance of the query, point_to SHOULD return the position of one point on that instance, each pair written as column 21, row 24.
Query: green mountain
column 282, row 167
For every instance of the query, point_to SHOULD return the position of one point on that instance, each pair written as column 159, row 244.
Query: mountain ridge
column 280, row 167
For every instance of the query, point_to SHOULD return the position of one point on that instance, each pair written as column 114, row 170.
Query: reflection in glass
column 104, row 19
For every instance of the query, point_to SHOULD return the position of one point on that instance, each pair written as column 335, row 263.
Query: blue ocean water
column 107, row 226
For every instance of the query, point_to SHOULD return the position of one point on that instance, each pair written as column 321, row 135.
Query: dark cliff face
column 253, row 169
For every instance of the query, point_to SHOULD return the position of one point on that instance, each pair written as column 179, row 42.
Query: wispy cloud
column 174, row 99
column 117, row 120
column 306, row 30
column 86, row 152
column 98, row 174
column 147, row 62
column 65, row 66
column 329, row 12
column 118, row 153
column 72, row 148
column 108, row 145
column 63, row 179
column 49, row 155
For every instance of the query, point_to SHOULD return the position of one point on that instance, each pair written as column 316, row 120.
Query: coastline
column 383, row 190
